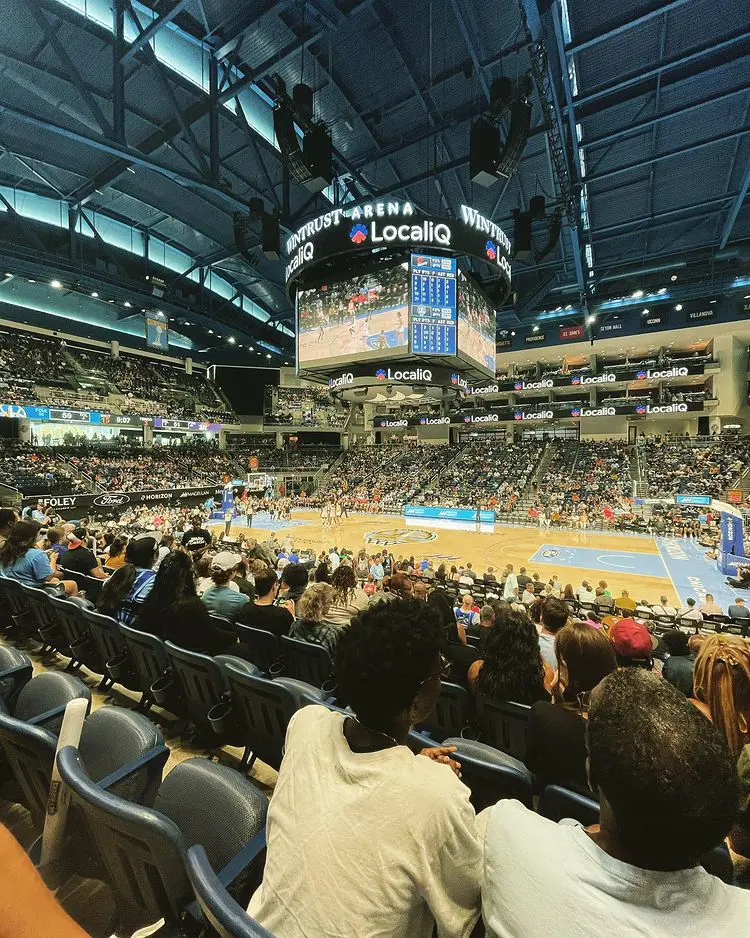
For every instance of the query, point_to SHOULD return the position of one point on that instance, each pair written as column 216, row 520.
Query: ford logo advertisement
column 112, row 501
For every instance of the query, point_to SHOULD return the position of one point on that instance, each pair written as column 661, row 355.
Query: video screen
column 366, row 317
column 476, row 325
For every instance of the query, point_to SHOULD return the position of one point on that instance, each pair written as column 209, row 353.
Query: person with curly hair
column 364, row 837
column 512, row 668
column 313, row 624
column 348, row 599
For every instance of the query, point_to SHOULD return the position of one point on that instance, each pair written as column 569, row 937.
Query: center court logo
column 389, row 536
column 550, row 553
column 359, row 233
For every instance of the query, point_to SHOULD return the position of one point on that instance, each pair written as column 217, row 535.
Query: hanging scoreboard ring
column 323, row 247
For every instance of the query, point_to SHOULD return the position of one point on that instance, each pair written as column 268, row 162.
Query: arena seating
column 685, row 466
column 303, row 407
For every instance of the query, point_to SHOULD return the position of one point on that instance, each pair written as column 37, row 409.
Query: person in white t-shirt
column 510, row 584
column 638, row 871
column 365, row 839
column 664, row 608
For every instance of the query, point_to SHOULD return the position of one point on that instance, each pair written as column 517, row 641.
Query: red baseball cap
column 631, row 639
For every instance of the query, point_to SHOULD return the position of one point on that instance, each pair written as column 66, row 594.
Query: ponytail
column 116, row 590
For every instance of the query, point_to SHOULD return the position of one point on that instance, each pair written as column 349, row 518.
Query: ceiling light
column 130, row 169
column 678, row 307
column 250, row 348
column 94, row 294
column 512, row 333
column 673, row 277
column 56, row 284
column 712, row 301
column 535, row 329
column 638, row 294
column 231, row 339
column 569, row 306
column 126, row 303
column 268, row 354
column 31, row 281
column 645, row 312
column 110, row 301
column 662, row 291
column 591, row 320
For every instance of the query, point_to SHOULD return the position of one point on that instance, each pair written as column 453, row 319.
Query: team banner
column 538, row 412
column 119, row 501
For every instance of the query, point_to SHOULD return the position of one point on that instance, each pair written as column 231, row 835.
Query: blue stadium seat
column 45, row 620
column 491, row 774
column 74, row 627
column 150, row 665
column 451, row 713
column 265, row 647
column 225, row 916
column 16, row 670
column 503, row 725
column 144, row 851
column 307, row 661
column 19, row 618
column 43, row 700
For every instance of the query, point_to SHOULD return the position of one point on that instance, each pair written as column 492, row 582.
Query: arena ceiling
column 145, row 127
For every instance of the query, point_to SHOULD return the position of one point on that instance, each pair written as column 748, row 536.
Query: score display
column 433, row 317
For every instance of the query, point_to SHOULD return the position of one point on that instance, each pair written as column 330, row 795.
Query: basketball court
column 646, row 566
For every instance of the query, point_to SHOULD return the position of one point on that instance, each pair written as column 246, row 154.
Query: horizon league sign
column 606, row 377
column 112, row 501
column 390, row 222
column 542, row 412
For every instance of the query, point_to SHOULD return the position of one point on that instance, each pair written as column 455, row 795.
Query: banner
column 651, row 373
column 119, row 501
column 570, row 333
column 449, row 514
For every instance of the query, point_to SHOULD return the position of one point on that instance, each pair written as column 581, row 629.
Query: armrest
column 252, row 849
column 418, row 741
column 42, row 718
column 18, row 669
column 158, row 755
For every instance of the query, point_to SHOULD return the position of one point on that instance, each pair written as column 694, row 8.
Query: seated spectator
column 584, row 593
column 688, row 611
column 624, row 602
column 678, row 668
column 603, row 599
column 486, row 622
column 524, row 579
column 196, row 539
column 556, row 748
column 511, row 668
column 489, row 576
column 554, row 615
column 293, row 583
column 53, row 543
column 78, row 558
column 742, row 580
column 603, row 585
column 8, row 517
column 528, row 596
column 664, row 608
column 709, row 607
column 467, row 619
column 323, row 573
column 633, row 643
column 173, row 610
column 347, row 598
column 419, row 590
column 116, row 556
column 372, row 798
column 568, row 595
column 262, row 613
column 738, row 609
column 132, row 583
column 244, row 585
column 650, row 755
column 400, row 586
column 22, row 560
column 313, row 624
column 219, row 598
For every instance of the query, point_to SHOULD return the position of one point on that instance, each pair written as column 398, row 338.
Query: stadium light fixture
column 31, row 281
column 712, row 301
column 512, row 333
column 210, row 331
column 231, row 339
column 250, row 348
column 535, row 329
column 673, row 277
column 94, row 294
column 638, row 294
column 590, row 320
column 56, row 284
column 126, row 304
column 268, row 354
column 645, row 311
column 678, row 307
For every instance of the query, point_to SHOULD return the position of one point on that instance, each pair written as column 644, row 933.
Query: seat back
column 30, row 751
column 265, row 648
column 16, row 669
column 73, row 625
column 44, row 617
column 306, row 661
column 201, row 683
column 141, row 850
column 263, row 709
column 490, row 774
column 226, row 917
column 49, row 693
column 557, row 802
column 451, row 713
column 14, row 600
column 109, row 643
column 504, row 725
column 149, row 657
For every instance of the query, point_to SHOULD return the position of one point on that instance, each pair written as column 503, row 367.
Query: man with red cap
column 633, row 643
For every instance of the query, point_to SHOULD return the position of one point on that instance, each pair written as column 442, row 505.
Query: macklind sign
column 389, row 223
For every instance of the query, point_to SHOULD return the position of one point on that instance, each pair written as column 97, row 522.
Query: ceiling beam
column 734, row 211
column 632, row 23
column 151, row 30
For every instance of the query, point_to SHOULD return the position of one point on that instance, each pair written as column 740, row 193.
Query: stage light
column 56, row 284
column 678, row 307
column 94, row 294
column 638, row 294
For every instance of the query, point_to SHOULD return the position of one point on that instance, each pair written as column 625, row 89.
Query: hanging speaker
column 270, row 238
column 518, row 134
column 522, row 247
column 484, row 144
column 318, row 157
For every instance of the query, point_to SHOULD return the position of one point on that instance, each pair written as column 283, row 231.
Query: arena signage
column 391, row 222
column 664, row 373
column 433, row 421
column 593, row 412
column 68, row 415
column 114, row 501
column 538, row 415
column 341, row 382
column 487, row 389
column 605, row 377
column 533, row 385
column 374, row 375
column 404, row 374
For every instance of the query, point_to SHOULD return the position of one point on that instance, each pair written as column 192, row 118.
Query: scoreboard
column 433, row 317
